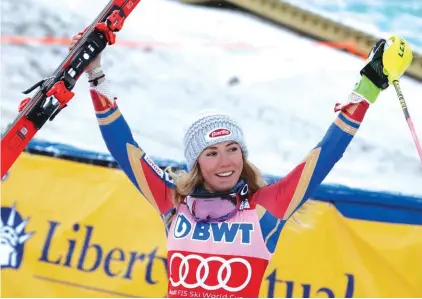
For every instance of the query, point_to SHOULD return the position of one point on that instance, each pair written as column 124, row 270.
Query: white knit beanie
column 209, row 130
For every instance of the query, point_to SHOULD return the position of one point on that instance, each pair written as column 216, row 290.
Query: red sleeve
column 284, row 197
column 277, row 197
column 153, row 182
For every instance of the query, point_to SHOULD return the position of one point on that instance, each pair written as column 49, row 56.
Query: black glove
column 374, row 69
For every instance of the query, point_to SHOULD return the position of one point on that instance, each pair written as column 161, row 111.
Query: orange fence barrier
column 63, row 41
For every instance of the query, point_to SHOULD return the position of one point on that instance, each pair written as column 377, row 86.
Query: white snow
column 284, row 99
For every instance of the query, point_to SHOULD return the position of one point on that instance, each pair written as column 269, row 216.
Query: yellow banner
column 76, row 230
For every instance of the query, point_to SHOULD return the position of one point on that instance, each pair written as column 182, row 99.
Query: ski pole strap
column 95, row 81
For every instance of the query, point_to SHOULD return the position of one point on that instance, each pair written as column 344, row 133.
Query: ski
column 55, row 92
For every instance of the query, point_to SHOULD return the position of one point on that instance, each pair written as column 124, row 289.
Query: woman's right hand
column 95, row 63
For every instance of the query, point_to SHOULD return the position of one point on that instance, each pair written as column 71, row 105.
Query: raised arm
column 283, row 198
column 154, row 183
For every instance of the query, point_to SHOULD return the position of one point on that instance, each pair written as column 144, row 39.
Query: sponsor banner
column 77, row 230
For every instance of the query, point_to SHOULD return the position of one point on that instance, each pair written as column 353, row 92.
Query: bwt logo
column 13, row 238
column 218, row 232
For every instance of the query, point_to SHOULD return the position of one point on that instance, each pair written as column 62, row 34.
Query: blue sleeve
column 153, row 182
column 283, row 198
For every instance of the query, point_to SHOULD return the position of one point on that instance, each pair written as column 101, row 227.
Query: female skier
column 222, row 221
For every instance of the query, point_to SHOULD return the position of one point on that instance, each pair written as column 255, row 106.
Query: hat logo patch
column 218, row 133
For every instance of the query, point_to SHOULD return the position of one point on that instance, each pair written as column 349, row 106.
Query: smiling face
column 221, row 166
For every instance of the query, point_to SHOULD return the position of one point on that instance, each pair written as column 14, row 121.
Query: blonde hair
column 186, row 182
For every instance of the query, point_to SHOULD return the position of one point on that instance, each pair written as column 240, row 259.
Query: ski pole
column 397, row 57
column 408, row 118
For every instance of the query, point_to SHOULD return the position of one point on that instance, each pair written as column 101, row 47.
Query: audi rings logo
column 199, row 277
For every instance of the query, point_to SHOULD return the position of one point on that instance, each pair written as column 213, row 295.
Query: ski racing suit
column 224, row 259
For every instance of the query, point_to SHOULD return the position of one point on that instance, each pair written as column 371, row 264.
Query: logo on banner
column 13, row 238
column 210, row 273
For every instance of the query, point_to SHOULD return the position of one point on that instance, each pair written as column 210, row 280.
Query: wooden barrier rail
column 314, row 26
